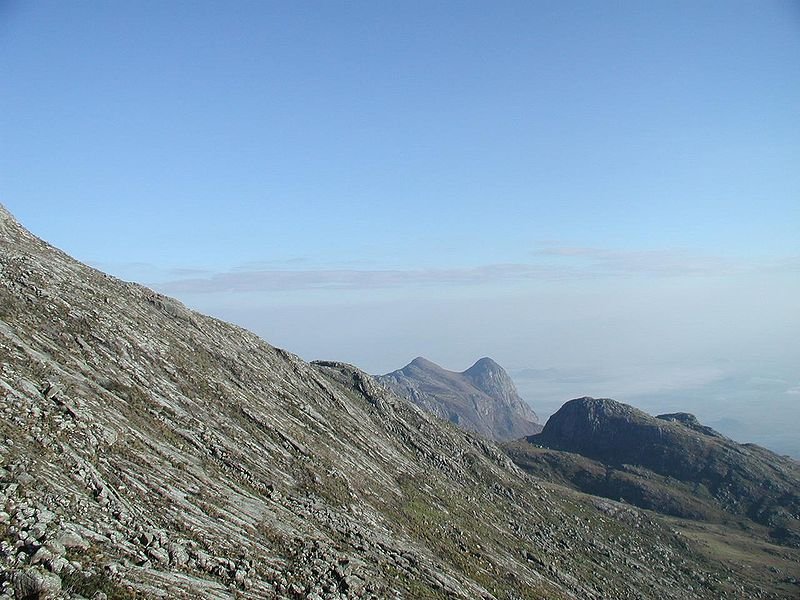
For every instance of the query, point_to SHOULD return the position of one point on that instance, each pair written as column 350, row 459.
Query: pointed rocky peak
column 423, row 363
column 485, row 365
column 488, row 371
column 491, row 378
column 419, row 367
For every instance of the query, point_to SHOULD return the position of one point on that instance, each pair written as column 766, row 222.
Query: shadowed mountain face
column 669, row 463
column 482, row 399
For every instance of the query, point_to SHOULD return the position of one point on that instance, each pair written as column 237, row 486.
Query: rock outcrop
column 671, row 463
column 482, row 399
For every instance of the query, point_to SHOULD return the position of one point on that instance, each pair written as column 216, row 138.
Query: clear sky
column 602, row 196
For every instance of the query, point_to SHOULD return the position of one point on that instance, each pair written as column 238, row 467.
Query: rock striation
column 482, row 399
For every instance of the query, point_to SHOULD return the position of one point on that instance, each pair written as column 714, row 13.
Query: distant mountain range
column 482, row 399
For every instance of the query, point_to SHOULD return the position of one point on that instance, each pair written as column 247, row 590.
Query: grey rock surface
column 35, row 584
column 482, row 399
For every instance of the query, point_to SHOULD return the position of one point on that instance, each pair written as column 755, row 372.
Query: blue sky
column 602, row 193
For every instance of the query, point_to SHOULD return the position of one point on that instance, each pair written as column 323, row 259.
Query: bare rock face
column 482, row 399
column 150, row 451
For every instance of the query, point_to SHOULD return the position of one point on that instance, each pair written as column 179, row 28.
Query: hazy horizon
column 602, row 198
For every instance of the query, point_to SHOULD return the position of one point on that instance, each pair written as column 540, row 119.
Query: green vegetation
column 476, row 547
column 88, row 585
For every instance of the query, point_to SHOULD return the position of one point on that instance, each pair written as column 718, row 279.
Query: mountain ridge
column 482, row 398
column 670, row 463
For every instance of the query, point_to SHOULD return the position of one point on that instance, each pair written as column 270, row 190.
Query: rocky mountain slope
column 670, row 463
column 148, row 451
column 482, row 399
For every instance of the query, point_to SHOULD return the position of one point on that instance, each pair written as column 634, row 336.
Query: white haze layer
column 724, row 347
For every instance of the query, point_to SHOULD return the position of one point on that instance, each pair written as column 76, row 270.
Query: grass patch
column 88, row 585
column 448, row 528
